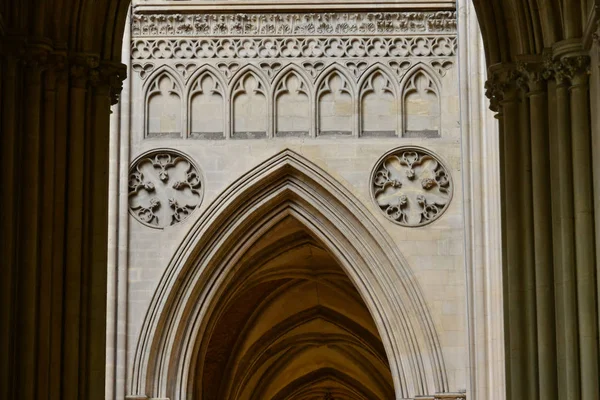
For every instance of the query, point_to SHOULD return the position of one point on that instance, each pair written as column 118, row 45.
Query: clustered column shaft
column 54, row 144
column 550, row 291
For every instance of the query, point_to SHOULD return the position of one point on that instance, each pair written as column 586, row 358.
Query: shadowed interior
column 289, row 324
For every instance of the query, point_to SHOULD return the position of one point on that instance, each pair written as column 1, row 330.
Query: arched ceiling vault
column 289, row 322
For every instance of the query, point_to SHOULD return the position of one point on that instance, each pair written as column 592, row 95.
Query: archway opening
column 289, row 324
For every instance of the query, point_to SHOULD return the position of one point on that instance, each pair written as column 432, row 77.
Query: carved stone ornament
column 165, row 187
column 411, row 186
column 293, row 47
column 286, row 24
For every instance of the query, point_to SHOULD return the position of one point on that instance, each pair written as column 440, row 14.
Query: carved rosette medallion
column 411, row 186
column 165, row 187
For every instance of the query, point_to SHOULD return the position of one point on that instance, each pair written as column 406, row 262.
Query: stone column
column 595, row 105
column 548, row 226
column 585, row 253
column 535, row 87
column 54, row 115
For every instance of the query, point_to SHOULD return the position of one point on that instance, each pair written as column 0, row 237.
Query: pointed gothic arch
column 421, row 81
column 237, row 88
column 323, row 114
column 367, row 86
column 152, row 88
column 287, row 184
column 219, row 88
column 279, row 88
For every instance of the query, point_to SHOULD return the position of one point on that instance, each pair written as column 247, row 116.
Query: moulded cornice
column 289, row 5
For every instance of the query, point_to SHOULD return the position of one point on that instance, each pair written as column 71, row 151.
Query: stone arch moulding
column 279, row 87
column 405, row 89
column 322, row 88
column 194, row 88
column 285, row 185
column 149, row 90
column 238, row 88
column 366, row 86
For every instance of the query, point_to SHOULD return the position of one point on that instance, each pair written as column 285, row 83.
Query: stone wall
column 369, row 97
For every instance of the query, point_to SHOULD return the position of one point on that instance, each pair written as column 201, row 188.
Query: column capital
column 577, row 69
column 89, row 69
column 533, row 76
column 502, row 84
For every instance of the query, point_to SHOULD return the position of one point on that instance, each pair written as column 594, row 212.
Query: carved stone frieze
column 384, row 66
column 296, row 24
column 165, row 187
column 294, row 47
column 411, row 186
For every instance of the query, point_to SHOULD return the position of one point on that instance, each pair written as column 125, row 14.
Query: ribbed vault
column 290, row 325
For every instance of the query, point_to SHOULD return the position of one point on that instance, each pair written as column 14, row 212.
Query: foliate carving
column 500, row 83
column 411, row 186
column 286, row 24
column 533, row 76
column 165, row 187
column 576, row 68
column 310, row 47
column 87, row 69
column 313, row 44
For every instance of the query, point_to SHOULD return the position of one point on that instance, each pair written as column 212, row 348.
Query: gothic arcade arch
column 287, row 184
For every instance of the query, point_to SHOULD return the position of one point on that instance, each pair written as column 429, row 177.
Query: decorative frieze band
column 356, row 69
column 325, row 47
column 293, row 24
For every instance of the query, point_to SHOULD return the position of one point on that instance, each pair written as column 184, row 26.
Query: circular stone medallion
column 165, row 187
column 411, row 186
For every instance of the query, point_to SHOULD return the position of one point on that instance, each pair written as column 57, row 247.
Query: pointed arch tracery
column 378, row 103
column 335, row 102
column 421, row 102
column 286, row 186
column 163, row 99
column 207, row 99
column 292, row 103
column 249, row 104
